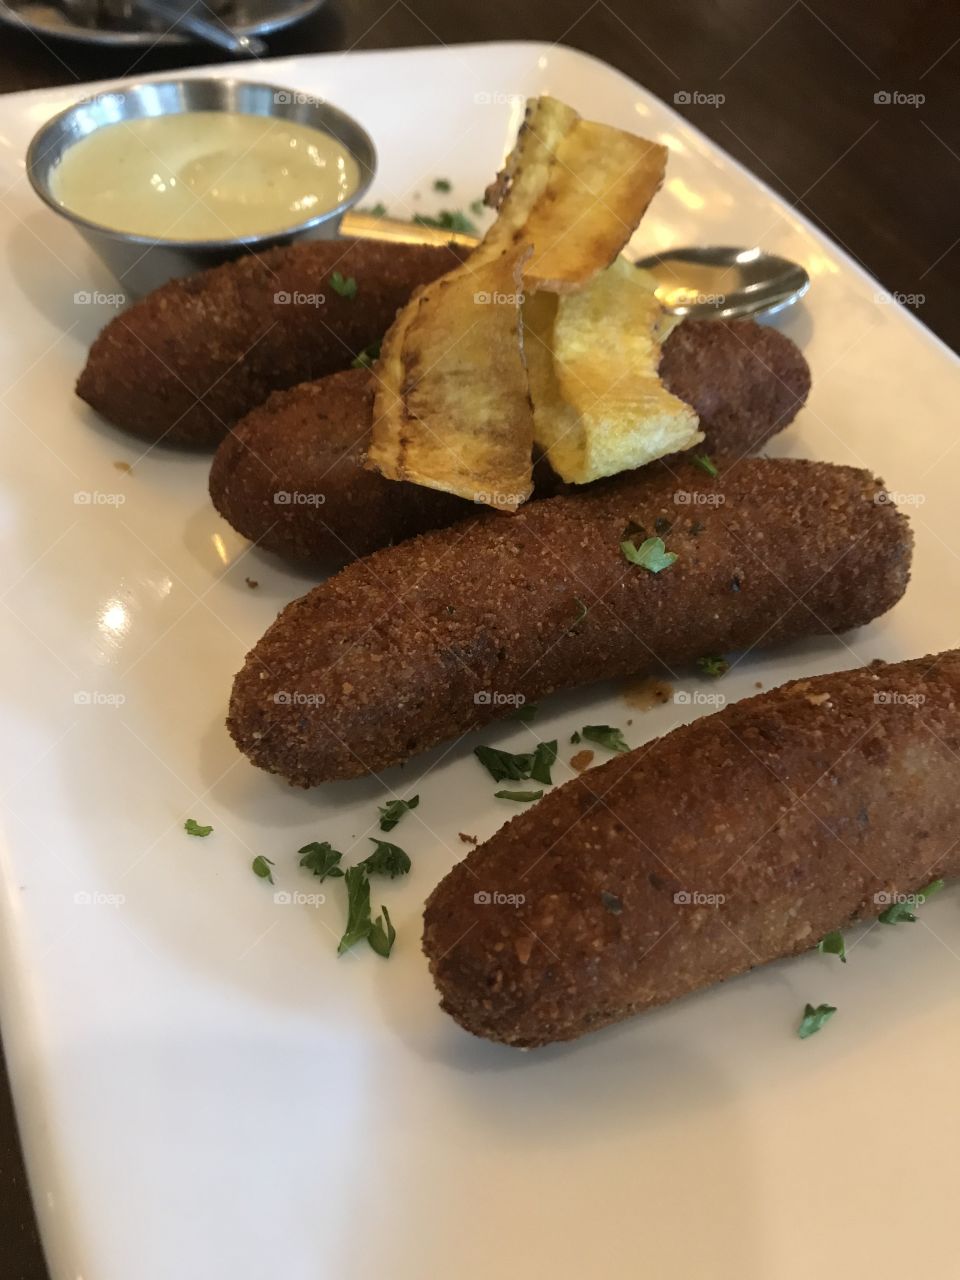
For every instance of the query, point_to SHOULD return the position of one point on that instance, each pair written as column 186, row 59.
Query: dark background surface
column 798, row 78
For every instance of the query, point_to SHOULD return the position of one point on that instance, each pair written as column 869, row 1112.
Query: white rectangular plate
column 204, row 1088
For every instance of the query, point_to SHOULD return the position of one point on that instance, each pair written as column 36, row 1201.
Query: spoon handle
column 207, row 27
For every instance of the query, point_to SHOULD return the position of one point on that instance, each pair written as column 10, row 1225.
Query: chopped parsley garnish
column 442, row 184
column 902, row 912
column 651, row 555
column 606, row 736
column 525, row 712
column 193, row 828
column 522, row 797
column 814, row 1018
column 358, row 908
column 505, row 766
column 544, row 758
column 477, row 207
column 377, row 210
column 574, row 738
column 705, row 463
column 393, row 811
column 447, row 220
column 321, row 858
column 346, row 286
column 367, row 357
column 261, row 867
column 833, row 945
column 386, row 860
column 713, row 666
column 382, row 934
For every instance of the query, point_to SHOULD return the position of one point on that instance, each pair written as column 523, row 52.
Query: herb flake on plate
column 321, row 858
column 358, row 908
column 386, row 860
column 382, row 934
column 814, row 1018
column 261, row 867
column 393, row 811
column 605, row 735
column 521, row 797
column 833, row 945
column 193, row 828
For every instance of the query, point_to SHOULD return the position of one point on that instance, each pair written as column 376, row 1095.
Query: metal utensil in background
column 712, row 282
column 725, row 282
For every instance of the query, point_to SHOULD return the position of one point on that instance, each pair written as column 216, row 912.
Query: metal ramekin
column 142, row 263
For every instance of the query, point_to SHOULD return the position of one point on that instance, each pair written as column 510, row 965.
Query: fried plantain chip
column 575, row 190
column 452, row 408
column 592, row 358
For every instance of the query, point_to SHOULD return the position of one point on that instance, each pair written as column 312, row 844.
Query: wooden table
column 800, row 80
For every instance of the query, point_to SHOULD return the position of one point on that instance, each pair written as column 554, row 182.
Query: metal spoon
column 716, row 282
column 203, row 24
column 725, row 282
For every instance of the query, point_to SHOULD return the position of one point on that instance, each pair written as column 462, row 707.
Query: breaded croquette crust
column 290, row 477
column 183, row 364
column 406, row 648
column 745, row 836
column 745, row 380
column 311, row 439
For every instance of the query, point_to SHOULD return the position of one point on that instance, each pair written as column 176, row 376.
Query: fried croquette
column 406, row 648
column 745, row 381
column 745, row 836
column 183, row 364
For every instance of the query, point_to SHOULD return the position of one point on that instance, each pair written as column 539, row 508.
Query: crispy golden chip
column 592, row 358
column 573, row 189
column 452, row 409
